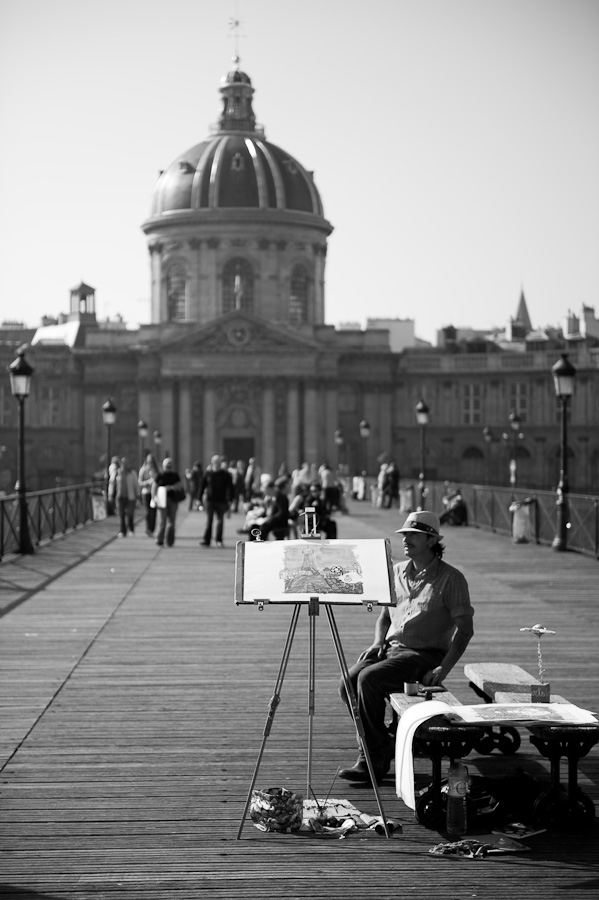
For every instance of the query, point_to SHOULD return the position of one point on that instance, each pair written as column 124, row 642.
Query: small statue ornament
column 540, row 693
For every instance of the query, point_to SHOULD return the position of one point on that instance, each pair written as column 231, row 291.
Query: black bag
column 177, row 494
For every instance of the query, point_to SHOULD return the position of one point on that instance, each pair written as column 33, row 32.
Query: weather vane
column 235, row 27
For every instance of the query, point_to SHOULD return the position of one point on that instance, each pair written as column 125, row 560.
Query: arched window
column 298, row 296
column 238, row 286
column 472, row 466
column 176, row 290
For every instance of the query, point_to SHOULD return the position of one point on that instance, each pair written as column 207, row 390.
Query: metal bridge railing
column 489, row 507
column 49, row 513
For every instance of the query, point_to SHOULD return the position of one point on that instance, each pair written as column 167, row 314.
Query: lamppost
column 488, row 436
column 364, row 434
column 339, row 441
column 563, row 379
column 422, row 412
column 142, row 433
column 157, row 443
column 109, row 416
column 20, row 383
column 515, row 423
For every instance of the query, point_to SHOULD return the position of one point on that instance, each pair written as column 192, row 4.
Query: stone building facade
column 237, row 357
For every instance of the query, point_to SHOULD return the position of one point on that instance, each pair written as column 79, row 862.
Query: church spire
column 522, row 317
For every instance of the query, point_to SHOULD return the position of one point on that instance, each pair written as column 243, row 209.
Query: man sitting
column 420, row 639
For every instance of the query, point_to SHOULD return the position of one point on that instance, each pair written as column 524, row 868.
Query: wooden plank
column 137, row 695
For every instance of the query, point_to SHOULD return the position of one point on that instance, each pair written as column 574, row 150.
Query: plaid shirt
column 427, row 605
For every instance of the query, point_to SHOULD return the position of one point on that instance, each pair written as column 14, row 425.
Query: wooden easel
column 313, row 612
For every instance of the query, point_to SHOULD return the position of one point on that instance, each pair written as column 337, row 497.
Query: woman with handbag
column 167, row 493
column 146, row 478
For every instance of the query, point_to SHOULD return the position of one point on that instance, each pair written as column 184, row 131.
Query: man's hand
column 378, row 651
column 433, row 677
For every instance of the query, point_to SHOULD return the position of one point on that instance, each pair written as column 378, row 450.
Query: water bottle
column 457, row 798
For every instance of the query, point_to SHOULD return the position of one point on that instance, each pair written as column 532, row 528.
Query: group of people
column 278, row 505
column 383, row 491
column 420, row 639
column 158, row 487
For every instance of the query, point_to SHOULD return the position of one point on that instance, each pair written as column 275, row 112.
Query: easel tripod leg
column 313, row 611
column 355, row 713
column 274, row 702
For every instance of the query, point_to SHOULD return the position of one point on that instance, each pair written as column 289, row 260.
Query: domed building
column 243, row 363
column 237, row 223
column 237, row 358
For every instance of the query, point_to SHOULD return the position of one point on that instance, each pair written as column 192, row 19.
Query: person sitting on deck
column 420, row 639
column 276, row 509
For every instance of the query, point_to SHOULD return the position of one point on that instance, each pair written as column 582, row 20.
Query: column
column 331, row 420
column 185, row 450
column 311, row 425
column 268, row 462
column 294, row 449
column 167, row 419
column 209, row 445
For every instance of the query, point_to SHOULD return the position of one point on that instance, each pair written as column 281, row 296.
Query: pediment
column 240, row 332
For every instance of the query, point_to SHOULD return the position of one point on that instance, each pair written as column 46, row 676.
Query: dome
column 236, row 170
column 236, row 167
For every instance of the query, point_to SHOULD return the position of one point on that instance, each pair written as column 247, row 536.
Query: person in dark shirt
column 216, row 489
column 162, row 496
column 276, row 518
column 313, row 498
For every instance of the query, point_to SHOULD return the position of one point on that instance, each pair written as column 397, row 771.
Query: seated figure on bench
column 313, row 498
column 421, row 639
column 276, row 511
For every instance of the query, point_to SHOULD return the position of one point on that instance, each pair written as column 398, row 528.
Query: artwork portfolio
column 344, row 572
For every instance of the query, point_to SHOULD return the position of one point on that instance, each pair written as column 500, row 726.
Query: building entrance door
column 238, row 448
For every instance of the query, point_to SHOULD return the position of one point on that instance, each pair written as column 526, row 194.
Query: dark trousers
column 212, row 510
column 126, row 510
column 372, row 681
column 150, row 512
column 238, row 494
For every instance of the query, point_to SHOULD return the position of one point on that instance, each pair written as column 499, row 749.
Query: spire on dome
column 237, row 91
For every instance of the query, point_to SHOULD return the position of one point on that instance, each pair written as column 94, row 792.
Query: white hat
column 422, row 522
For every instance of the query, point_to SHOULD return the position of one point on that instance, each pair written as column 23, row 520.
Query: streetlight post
column 20, row 383
column 563, row 378
column 422, row 412
column 142, row 433
column 339, row 441
column 364, row 434
column 109, row 416
column 157, row 443
column 515, row 423
column 488, row 436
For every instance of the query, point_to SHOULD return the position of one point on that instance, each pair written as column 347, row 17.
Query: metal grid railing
column 489, row 507
column 49, row 513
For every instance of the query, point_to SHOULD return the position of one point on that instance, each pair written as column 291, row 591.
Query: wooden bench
column 436, row 738
column 506, row 683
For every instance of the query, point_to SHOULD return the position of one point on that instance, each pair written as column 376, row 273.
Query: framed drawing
column 343, row 572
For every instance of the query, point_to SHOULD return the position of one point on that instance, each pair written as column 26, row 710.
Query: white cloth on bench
column 515, row 714
column 404, row 759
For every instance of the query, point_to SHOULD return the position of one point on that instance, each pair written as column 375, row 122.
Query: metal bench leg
column 557, row 807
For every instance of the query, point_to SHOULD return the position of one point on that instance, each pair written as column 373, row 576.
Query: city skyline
column 454, row 144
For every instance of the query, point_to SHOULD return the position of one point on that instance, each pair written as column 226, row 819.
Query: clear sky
column 455, row 144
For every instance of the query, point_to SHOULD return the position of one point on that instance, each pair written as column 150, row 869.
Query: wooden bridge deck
column 133, row 697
